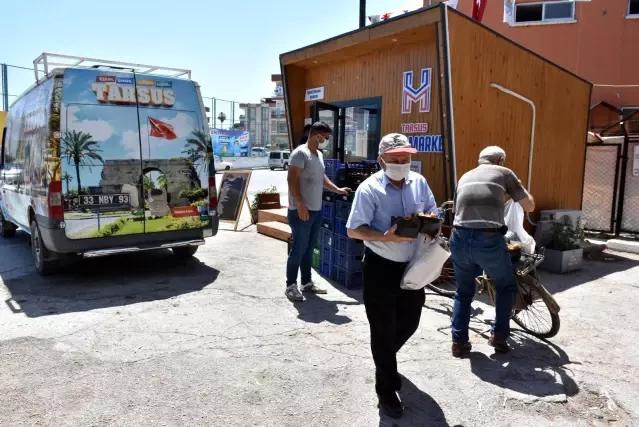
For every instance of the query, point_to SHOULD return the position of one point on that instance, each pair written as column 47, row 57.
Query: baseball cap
column 395, row 143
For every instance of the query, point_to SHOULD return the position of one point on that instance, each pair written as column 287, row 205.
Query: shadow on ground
column 419, row 409
column 595, row 266
column 112, row 281
column 535, row 370
column 317, row 309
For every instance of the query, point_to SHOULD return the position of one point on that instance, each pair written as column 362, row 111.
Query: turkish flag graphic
column 159, row 129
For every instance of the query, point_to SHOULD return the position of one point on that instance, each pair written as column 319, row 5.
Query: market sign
column 414, row 127
column 427, row 143
column 314, row 94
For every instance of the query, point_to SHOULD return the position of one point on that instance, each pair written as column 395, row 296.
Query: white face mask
column 324, row 144
column 397, row 172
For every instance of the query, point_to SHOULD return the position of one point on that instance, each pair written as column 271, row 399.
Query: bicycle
column 529, row 291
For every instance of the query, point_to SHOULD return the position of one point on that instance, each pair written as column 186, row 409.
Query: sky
column 232, row 47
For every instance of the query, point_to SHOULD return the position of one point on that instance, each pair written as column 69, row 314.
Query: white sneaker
column 293, row 293
column 312, row 287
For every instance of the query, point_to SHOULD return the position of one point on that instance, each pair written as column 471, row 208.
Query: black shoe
column 391, row 406
column 500, row 345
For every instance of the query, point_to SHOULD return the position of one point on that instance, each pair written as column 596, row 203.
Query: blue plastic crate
column 349, row 280
column 332, row 166
column 328, row 196
column 348, row 263
column 326, row 269
column 326, row 237
column 345, row 197
column 348, row 246
column 337, row 178
column 340, row 227
column 328, row 210
column 328, row 224
column 342, row 210
column 326, row 254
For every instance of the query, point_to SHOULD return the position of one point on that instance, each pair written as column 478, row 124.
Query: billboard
column 230, row 143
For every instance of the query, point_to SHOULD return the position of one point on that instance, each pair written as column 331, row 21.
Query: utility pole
column 362, row 13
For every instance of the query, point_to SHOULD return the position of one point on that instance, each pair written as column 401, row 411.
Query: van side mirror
column 4, row 134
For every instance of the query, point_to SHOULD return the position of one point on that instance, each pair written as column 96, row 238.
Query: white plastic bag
column 426, row 265
column 514, row 220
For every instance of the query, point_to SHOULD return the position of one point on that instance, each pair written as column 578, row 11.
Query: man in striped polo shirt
column 477, row 243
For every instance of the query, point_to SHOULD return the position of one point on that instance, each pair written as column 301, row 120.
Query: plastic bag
column 514, row 220
column 426, row 264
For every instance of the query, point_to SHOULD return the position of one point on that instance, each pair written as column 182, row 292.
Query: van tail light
column 56, row 209
column 212, row 193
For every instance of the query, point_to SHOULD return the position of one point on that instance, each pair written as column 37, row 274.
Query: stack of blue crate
column 340, row 257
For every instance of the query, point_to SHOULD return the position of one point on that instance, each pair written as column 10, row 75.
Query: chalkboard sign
column 232, row 195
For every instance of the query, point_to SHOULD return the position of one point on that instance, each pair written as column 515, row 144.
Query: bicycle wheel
column 445, row 285
column 536, row 318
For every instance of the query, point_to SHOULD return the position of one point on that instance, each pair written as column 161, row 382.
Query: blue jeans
column 305, row 234
column 472, row 251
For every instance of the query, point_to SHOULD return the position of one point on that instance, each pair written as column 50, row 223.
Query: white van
column 278, row 160
column 101, row 160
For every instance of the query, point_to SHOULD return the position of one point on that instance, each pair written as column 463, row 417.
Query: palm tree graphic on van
column 80, row 148
column 198, row 147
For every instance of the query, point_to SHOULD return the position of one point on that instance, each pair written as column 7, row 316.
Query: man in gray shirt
column 306, row 183
column 477, row 243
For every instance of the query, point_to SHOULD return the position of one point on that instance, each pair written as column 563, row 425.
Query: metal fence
column 610, row 197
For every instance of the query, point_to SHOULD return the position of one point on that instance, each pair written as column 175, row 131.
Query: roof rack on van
column 43, row 63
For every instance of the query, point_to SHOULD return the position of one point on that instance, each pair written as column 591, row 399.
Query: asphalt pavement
column 145, row 340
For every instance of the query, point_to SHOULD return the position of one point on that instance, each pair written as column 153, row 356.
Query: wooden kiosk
column 453, row 86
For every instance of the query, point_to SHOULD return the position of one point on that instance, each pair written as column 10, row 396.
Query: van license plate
column 105, row 200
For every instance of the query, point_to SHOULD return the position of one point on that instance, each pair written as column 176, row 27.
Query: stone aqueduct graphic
column 123, row 176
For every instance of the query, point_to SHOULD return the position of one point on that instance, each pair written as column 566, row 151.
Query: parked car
column 221, row 165
column 278, row 159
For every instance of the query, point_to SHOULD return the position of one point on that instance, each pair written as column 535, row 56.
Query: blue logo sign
column 427, row 143
column 124, row 80
column 163, row 84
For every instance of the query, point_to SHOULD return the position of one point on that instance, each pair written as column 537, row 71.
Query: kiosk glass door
column 356, row 128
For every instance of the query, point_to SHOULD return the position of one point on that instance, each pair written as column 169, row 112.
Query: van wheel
column 285, row 166
column 7, row 229
column 228, row 168
column 272, row 169
column 40, row 253
column 184, row 252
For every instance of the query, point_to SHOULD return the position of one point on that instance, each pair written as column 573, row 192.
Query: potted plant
column 262, row 197
column 564, row 253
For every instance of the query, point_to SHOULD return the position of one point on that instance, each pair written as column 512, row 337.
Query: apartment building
column 597, row 39
column 279, row 126
column 257, row 123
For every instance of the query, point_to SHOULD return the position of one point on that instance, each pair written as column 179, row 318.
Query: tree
column 197, row 147
column 149, row 184
column 80, row 148
column 66, row 177
column 222, row 118
column 162, row 183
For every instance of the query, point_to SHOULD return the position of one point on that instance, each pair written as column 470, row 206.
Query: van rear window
column 275, row 156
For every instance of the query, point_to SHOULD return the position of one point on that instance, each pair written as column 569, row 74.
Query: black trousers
column 393, row 315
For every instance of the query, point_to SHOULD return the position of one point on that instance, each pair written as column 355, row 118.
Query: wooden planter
column 268, row 201
column 562, row 261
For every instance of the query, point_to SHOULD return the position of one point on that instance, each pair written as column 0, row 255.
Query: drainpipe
column 532, row 134
column 362, row 13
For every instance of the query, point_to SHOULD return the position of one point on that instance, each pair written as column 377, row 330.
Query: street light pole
column 362, row 13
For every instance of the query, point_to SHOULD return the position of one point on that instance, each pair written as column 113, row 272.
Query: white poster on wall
column 416, row 167
column 314, row 94
column 635, row 161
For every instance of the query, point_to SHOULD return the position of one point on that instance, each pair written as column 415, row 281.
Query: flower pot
column 268, row 201
column 561, row 262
